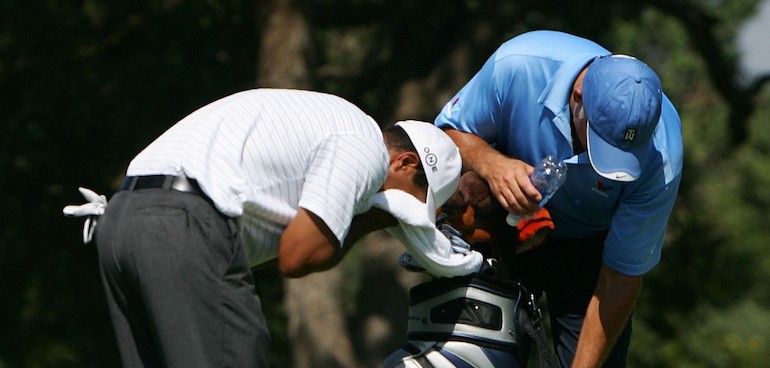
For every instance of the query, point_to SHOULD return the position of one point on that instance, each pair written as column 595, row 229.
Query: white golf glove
column 93, row 209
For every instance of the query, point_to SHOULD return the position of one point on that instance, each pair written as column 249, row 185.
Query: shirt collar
column 555, row 96
column 579, row 159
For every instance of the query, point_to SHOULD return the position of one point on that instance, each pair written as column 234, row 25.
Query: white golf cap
column 440, row 159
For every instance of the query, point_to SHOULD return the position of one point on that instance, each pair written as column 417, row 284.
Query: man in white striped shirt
column 260, row 175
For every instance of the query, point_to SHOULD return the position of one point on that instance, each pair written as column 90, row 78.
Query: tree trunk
column 317, row 328
column 382, row 302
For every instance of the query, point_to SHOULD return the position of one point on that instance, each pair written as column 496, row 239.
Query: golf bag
column 472, row 321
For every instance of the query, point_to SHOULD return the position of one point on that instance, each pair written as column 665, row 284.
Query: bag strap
column 535, row 328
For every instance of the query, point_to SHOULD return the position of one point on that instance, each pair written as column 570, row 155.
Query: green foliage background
column 85, row 84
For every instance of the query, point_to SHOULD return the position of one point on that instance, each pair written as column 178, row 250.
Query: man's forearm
column 373, row 220
column 474, row 150
column 507, row 177
column 608, row 312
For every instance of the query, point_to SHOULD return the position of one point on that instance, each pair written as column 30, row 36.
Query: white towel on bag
column 424, row 242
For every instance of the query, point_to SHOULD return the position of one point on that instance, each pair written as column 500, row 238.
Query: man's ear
column 406, row 160
column 577, row 94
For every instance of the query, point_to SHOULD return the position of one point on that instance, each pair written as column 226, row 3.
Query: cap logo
column 630, row 135
column 430, row 159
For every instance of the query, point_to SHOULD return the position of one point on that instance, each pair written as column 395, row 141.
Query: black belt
column 167, row 182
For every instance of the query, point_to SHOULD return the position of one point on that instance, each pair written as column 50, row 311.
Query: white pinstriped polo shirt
column 260, row 154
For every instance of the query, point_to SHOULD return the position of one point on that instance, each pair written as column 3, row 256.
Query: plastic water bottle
column 548, row 176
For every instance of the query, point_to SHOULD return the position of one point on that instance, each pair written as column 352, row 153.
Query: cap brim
column 611, row 162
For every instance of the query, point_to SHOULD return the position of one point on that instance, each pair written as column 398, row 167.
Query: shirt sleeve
column 346, row 170
column 635, row 240
column 475, row 108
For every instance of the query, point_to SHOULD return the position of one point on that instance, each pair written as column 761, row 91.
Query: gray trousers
column 178, row 285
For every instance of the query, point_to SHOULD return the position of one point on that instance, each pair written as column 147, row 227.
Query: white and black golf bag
column 472, row 321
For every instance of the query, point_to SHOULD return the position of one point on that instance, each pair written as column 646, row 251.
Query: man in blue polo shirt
column 551, row 93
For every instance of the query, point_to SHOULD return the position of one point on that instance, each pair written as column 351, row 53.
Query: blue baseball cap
column 622, row 98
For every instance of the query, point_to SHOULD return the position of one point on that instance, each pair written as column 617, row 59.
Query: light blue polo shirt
column 519, row 102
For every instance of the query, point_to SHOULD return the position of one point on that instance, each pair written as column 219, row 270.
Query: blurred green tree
column 86, row 84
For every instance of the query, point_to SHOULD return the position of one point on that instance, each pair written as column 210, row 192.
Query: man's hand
column 508, row 178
